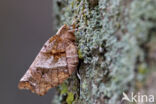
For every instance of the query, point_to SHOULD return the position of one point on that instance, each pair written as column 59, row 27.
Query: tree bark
column 116, row 49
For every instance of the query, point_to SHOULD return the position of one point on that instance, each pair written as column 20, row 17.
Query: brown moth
column 56, row 61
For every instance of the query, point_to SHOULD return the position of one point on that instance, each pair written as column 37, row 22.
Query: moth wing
column 72, row 57
column 45, row 73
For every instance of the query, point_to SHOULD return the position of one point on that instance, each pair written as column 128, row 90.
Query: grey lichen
column 109, row 40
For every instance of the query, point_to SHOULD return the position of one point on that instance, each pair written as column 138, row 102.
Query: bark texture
column 116, row 48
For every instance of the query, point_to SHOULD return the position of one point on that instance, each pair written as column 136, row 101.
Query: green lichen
column 68, row 94
column 142, row 69
column 109, row 41
column 64, row 89
column 80, row 54
column 70, row 98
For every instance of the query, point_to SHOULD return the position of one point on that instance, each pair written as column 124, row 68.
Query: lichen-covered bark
column 115, row 41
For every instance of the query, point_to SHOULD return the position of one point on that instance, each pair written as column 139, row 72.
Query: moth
column 56, row 61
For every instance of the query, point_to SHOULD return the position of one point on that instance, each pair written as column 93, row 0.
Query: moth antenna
column 74, row 24
column 73, row 30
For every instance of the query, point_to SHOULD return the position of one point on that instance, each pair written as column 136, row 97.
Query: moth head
column 63, row 29
column 66, row 33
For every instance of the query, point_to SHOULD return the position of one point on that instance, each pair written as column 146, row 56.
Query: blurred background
column 24, row 27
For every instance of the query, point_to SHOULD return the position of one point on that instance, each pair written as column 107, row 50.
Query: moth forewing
column 56, row 61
